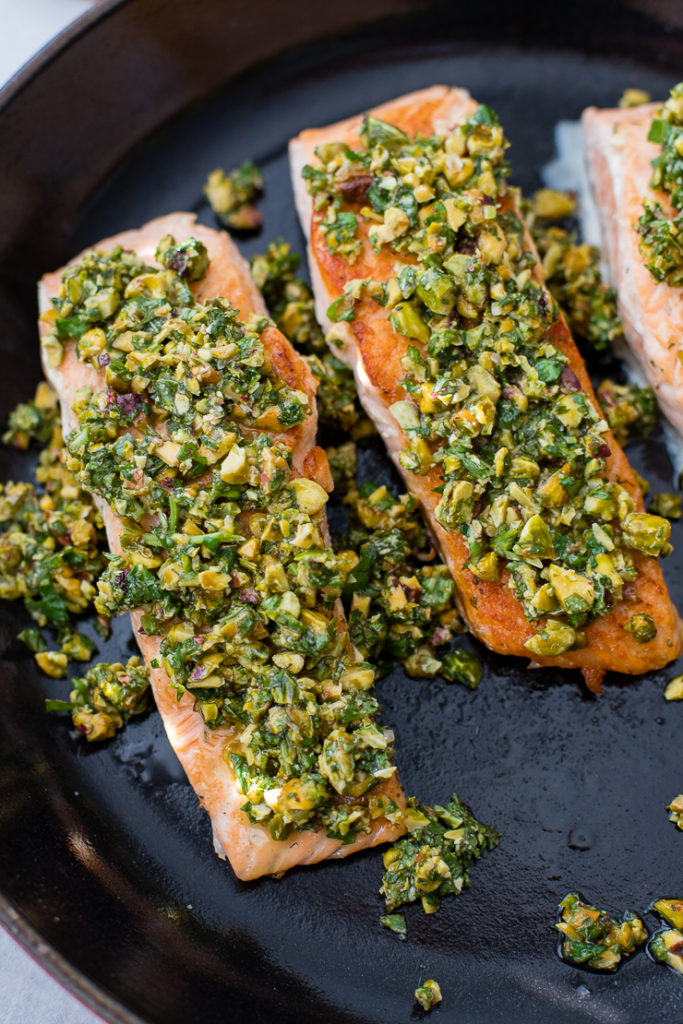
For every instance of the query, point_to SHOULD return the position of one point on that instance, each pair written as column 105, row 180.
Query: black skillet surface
column 106, row 868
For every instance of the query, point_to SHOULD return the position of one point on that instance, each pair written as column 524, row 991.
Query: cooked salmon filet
column 619, row 165
column 249, row 847
column 373, row 349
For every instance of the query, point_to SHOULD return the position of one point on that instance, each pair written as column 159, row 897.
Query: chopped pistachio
column 53, row 663
column 674, row 689
column 676, row 811
column 428, row 994
column 551, row 204
column 642, row 628
column 671, row 911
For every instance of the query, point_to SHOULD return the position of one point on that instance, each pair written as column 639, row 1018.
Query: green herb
column 593, row 938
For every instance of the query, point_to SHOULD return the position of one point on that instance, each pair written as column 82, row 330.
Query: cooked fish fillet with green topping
column 429, row 287
column 192, row 420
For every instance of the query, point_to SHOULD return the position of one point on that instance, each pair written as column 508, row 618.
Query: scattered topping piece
column 674, row 689
column 190, row 260
column 105, row 698
column 395, row 923
column 428, row 994
column 667, row 947
column 630, row 410
column 593, row 938
column 551, row 204
column 51, row 538
column 666, row 504
column 676, row 809
column 232, row 196
column 33, row 421
column 633, row 98
column 432, row 861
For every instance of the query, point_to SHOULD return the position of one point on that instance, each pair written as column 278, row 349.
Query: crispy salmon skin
column 619, row 158
column 249, row 846
column 376, row 352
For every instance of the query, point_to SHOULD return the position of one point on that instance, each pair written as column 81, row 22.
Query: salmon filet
column 248, row 845
column 377, row 353
column 619, row 158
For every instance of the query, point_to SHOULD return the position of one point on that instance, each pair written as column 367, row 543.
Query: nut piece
column 235, row 467
column 310, row 496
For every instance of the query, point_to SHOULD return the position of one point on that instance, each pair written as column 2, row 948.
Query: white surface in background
column 28, row 995
column 28, row 24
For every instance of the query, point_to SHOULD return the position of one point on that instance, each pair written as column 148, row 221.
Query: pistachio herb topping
column 51, row 540
column 434, row 859
column 490, row 399
column 400, row 600
column 291, row 305
column 661, row 235
column 232, row 196
column 630, row 410
column 105, row 698
column 572, row 270
column 221, row 543
column 594, row 939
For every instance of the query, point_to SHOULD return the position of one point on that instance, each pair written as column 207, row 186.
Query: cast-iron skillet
column 107, row 872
